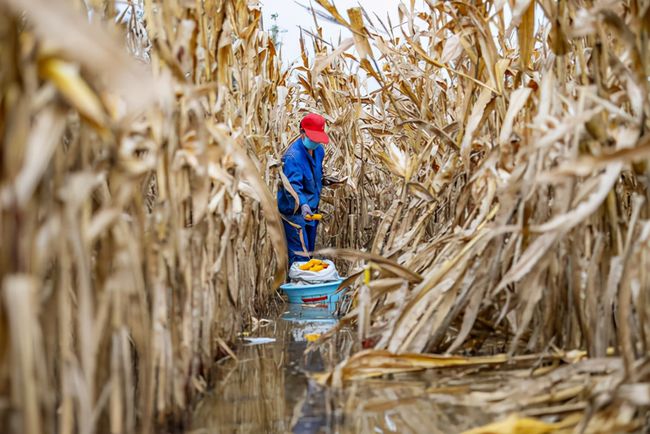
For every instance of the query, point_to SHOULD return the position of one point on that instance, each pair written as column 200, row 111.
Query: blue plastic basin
column 320, row 293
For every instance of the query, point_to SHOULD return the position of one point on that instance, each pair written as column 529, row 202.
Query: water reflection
column 311, row 413
column 308, row 321
column 267, row 390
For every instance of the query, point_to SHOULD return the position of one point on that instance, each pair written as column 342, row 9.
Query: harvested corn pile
column 315, row 265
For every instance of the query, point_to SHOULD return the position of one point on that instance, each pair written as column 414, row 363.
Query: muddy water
column 268, row 389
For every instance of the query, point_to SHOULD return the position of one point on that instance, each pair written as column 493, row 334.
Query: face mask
column 309, row 143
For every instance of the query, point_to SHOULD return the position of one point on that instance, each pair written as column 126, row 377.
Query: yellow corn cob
column 66, row 78
column 311, row 263
column 307, row 265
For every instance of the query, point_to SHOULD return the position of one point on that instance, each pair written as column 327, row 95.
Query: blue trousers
column 300, row 236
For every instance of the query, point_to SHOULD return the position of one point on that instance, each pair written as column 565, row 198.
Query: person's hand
column 305, row 210
column 330, row 181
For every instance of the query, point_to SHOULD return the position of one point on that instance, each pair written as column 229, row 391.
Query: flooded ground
column 268, row 389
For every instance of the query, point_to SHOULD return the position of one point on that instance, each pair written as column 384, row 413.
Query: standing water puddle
column 267, row 389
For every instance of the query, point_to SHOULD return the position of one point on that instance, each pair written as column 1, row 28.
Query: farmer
column 302, row 182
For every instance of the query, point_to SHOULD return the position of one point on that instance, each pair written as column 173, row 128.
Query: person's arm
column 330, row 181
column 294, row 176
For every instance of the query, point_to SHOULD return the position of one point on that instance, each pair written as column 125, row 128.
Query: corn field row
column 503, row 170
column 133, row 217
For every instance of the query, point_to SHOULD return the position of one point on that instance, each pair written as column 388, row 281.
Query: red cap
column 314, row 127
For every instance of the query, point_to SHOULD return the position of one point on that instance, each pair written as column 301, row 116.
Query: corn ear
column 66, row 78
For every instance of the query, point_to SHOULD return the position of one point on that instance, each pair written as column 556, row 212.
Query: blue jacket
column 305, row 174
